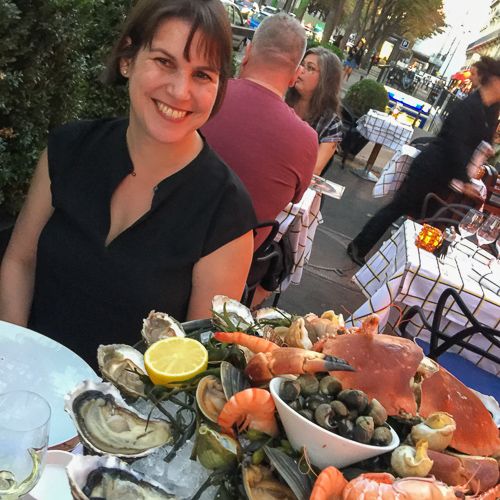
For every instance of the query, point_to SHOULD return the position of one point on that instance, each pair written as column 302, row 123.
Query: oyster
column 106, row 424
column 274, row 316
column 124, row 367
column 230, row 315
column 159, row 326
column 110, row 478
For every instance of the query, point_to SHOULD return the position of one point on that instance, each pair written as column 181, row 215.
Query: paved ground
column 322, row 286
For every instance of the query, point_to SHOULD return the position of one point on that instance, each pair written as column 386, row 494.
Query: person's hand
column 471, row 191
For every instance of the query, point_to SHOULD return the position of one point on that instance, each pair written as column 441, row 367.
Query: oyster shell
column 230, row 315
column 159, row 326
column 110, row 478
column 106, row 424
column 123, row 366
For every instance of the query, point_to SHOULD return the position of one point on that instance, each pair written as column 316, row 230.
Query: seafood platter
column 268, row 405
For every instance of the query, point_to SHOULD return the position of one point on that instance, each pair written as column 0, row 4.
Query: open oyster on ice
column 106, row 424
column 109, row 478
column 230, row 315
column 123, row 366
column 159, row 326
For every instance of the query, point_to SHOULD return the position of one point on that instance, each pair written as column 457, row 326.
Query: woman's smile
column 170, row 112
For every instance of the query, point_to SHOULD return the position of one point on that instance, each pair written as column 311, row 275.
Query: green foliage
column 330, row 46
column 364, row 95
column 51, row 56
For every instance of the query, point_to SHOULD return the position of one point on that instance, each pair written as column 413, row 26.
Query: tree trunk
column 353, row 22
column 301, row 9
column 332, row 19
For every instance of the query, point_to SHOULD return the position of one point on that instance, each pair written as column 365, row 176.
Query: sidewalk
column 326, row 282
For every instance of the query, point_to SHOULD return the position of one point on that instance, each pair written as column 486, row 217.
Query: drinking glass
column 489, row 231
column 24, row 434
column 470, row 223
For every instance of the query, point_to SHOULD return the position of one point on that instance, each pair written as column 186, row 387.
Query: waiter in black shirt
column 471, row 121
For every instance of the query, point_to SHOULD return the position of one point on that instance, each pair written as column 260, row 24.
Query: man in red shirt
column 260, row 137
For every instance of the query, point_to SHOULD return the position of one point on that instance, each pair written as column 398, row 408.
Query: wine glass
column 470, row 223
column 24, row 434
column 489, row 231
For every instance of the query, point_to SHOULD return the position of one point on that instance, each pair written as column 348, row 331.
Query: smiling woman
column 132, row 214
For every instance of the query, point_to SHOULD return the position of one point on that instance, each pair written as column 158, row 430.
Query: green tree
column 409, row 18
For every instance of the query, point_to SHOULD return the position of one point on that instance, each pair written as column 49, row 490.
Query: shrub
column 365, row 95
column 311, row 42
column 51, row 55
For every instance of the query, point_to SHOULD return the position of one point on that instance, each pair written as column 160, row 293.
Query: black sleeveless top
column 87, row 293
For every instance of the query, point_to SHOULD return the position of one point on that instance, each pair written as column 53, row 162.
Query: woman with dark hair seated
column 445, row 158
column 132, row 214
column 315, row 97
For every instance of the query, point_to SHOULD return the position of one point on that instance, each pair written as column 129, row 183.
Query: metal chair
column 443, row 212
column 440, row 343
column 269, row 253
column 353, row 142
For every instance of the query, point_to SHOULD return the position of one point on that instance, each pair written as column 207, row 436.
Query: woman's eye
column 164, row 62
column 203, row 76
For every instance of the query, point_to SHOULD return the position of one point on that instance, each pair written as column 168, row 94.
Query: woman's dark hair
column 208, row 16
column 486, row 68
column 326, row 97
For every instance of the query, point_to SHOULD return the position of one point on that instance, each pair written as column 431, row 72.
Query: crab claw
column 331, row 363
column 291, row 361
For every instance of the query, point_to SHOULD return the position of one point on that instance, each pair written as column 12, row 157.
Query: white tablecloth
column 395, row 171
column 402, row 274
column 384, row 129
column 300, row 220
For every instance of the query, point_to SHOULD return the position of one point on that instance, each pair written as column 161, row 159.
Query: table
column 402, row 274
column 383, row 130
column 394, row 172
column 31, row 361
column 300, row 221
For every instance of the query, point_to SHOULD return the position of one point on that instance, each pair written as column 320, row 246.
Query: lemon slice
column 175, row 359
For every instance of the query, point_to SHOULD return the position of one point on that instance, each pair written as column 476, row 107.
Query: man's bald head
column 280, row 40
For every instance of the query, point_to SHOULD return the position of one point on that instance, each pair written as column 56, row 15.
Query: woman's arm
column 325, row 151
column 18, row 266
column 223, row 272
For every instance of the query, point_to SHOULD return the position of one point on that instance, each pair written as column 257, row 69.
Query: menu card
column 326, row 187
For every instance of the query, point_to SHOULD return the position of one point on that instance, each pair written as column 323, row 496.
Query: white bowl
column 323, row 447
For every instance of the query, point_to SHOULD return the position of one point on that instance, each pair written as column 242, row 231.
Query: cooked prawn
column 249, row 409
column 255, row 344
column 329, row 485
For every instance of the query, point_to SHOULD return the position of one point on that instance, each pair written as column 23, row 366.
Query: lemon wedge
column 175, row 359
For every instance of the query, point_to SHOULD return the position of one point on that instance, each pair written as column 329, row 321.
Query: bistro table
column 401, row 273
column 383, row 130
column 300, row 220
column 395, row 171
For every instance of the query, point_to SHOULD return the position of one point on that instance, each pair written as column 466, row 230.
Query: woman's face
column 308, row 79
column 170, row 97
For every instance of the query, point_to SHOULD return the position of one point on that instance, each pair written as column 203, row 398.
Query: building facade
column 488, row 44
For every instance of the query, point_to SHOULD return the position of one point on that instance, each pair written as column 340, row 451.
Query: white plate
column 53, row 484
column 31, row 361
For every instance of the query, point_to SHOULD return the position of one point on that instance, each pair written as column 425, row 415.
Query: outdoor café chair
column 471, row 375
column 268, row 254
